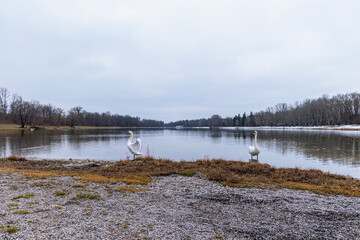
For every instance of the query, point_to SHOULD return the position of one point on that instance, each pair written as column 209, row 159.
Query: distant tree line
column 217, row 121
column 337, row 110
column 14, row 109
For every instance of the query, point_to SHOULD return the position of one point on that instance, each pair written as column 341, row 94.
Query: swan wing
column 251, row 149
column 136, row 146
column 129, row 146
column 254, row 150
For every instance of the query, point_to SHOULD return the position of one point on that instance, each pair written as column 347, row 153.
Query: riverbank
column 331, row 128
column 18, row 127
column 228, row 173
column 161, row 199
column 334, row 128
column 168, row 207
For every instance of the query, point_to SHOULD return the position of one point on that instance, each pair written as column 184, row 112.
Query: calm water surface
column 333, row 151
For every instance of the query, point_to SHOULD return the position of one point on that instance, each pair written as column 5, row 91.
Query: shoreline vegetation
column 335, row 127
column 340, row 109
column 229, row 173
column 18, row 127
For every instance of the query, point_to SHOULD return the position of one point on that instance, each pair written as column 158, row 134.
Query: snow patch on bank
column 337, row 127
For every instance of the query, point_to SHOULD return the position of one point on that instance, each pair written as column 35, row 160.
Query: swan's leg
column 257, row 157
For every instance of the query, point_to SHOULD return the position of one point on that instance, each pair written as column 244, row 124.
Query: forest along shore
column 336, row 110
column 353, row 127
column 79, row 199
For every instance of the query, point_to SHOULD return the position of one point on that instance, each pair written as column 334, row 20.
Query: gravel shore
column 173, row 207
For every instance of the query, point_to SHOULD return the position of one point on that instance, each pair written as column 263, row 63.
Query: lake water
column 333, row 151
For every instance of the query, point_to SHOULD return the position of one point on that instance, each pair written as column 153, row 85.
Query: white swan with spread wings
column 135, row 147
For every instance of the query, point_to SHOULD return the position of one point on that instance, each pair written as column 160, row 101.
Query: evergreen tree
column 252, row 119
column 243, row 119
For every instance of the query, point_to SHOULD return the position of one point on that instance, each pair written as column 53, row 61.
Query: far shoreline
column 326, row 127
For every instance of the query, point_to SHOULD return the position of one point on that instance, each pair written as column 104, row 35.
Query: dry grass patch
column 7, row 169
column 42, row 174
column 230, row 173
column 10, row 127
column 133, row 179
column 91, row 177
column 242, row 174
column 324, row 189
column 15, row 158
column 34, row 173
column 318, row 189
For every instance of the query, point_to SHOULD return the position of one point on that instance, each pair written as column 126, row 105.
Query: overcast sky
column 170, row 60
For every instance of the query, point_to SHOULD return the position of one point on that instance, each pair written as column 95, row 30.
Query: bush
column 15, row 158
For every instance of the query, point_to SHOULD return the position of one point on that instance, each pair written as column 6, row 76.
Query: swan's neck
column 131, row 137
column 255, row 140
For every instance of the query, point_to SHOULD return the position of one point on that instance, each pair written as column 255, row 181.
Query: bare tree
column 4, row 97
column 355, row 97
column 50, row 115
column 75, row 116
column 21, row 111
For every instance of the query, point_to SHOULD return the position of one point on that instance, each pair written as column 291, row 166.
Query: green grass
column 218, row 236
column 78, row 186
column 188, row 173
column 27, row 195
column 22, row 212
column 88, row 195
column 11, row 229
column 60, row 193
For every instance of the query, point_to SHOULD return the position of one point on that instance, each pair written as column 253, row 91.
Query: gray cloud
column 178, row 59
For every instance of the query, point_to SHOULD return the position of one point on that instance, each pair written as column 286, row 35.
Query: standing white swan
column 135, row 147
column 254, row 150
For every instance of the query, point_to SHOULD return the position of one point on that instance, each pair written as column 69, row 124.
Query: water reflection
column 328, row 150
column 321, row 145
